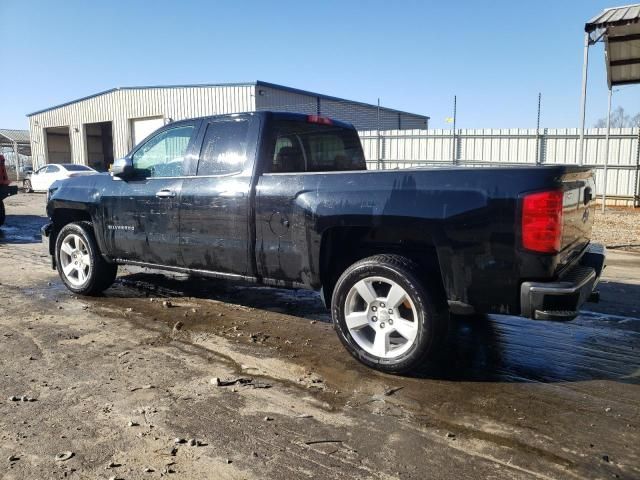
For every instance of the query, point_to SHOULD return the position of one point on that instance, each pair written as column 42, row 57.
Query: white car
column 41, row 179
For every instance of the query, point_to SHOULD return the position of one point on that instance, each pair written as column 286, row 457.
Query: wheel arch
column 64, row 216
column 342, row 246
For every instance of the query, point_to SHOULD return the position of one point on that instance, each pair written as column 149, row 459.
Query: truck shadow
column 20, row 229
column 594, row 346
column 494, row 348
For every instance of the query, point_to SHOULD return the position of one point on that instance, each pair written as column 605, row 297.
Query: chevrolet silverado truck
column 286, row 200
column 6, row 189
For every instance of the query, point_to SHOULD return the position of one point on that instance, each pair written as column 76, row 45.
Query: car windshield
column 72, row 167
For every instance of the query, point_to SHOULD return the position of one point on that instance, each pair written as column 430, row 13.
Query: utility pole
column 538, row 130
column 453, row 136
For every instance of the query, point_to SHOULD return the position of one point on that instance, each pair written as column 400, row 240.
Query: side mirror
column 122, row 168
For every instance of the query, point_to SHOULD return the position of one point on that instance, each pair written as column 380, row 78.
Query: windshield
column 72, row 167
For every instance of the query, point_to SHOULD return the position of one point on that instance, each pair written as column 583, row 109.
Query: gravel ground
column 618, row 227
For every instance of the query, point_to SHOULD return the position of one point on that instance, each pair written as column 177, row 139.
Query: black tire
column 3, row 214
column 429, row 302
column 101, row 274
column 26, row 186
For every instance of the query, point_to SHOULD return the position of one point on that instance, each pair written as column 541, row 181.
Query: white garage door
column 142, row 127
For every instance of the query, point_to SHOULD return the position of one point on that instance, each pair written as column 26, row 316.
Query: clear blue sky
column 415, row 55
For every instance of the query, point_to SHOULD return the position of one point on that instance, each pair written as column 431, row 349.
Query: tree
column 619, row 119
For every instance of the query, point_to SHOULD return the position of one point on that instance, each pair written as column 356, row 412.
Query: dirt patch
column 618, row 228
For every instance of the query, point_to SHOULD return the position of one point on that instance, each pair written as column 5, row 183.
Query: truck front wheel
column 79, row 263
column 3, row 215
column 386, row 315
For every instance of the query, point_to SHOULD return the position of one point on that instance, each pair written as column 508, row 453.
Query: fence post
column 378, row 138
column 636, row 197
column 538, row 131
column 543, row 147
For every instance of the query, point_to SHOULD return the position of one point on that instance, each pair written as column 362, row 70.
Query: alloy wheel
column 381, row 317
column 75, row 260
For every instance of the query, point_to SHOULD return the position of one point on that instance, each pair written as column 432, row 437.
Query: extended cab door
column 216, row 230
column 141, row 213
column 297, row 152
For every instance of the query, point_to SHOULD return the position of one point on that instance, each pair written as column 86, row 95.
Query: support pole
column 15, row 150
column 583, row 104
column 606, row 155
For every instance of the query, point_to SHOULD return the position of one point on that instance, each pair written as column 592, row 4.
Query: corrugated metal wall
column 121, row 106
column 363, row 117
column 485, row 147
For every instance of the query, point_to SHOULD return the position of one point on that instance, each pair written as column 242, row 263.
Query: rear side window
column 224, row 149
column 310, row 147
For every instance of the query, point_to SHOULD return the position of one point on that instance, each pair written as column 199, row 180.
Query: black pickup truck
column 286, row 200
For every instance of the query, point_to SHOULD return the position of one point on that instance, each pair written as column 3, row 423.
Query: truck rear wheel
column 386, row 315
column 79, row 262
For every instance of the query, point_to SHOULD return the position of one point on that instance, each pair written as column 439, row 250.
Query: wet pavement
column 510, row 397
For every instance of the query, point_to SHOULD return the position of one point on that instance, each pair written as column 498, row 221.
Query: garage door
column 141, row 128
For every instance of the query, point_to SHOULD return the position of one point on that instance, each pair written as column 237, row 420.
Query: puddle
column 594, row 346
column 20, row 229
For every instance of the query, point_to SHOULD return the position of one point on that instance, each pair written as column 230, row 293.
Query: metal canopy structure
column 619, row 29
column 16, row 141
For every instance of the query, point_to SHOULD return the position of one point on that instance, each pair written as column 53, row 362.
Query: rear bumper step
column 561, row 299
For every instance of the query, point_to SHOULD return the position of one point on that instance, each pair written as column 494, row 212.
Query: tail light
column 319, row 119
column 542, row 221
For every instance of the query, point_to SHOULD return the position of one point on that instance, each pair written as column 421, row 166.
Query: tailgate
column 578, row 212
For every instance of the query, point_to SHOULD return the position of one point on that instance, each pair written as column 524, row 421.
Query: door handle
column 231, row 193
column 165, row 193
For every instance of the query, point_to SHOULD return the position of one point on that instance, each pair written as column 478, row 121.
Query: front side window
column 52, row 169
column 224, row 150
column 163, row 154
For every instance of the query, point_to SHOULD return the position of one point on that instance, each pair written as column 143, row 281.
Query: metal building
column 96, row 129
